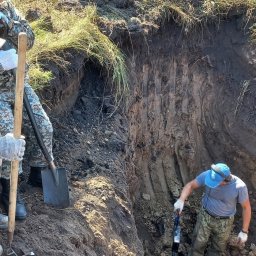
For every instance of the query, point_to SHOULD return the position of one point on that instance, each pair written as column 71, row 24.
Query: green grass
column 39, row 77
column 186, row 13
column 253, row 33
column 77, row 31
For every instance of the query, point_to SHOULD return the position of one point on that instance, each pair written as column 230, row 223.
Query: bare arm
column 188, row 189
column 246, row 215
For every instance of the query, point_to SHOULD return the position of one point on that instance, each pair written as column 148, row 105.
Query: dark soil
column 89, row 144
column 191, row 104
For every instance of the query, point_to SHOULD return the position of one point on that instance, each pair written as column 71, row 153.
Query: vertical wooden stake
column 19, row 90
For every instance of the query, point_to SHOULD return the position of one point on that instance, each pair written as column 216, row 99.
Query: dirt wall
column 192, row 104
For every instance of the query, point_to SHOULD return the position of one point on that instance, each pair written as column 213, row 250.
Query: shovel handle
column 19, row 90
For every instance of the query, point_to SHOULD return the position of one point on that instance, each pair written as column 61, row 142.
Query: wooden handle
column 19, row 90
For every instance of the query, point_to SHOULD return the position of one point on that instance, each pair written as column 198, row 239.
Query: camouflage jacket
column 16, row 25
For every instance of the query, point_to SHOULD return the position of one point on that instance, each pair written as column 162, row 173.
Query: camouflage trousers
column 36, row 157
column 216, row 231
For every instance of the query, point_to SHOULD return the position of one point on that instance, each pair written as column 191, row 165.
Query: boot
column 21, row 212
column 35, row 177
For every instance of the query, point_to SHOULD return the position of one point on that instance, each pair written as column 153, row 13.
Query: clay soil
column 191, row 103
column 87, row 143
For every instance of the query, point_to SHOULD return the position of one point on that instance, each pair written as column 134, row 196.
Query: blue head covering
column 218, row 173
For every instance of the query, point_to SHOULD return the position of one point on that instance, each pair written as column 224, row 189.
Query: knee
column 220, row 246
column 198, row 247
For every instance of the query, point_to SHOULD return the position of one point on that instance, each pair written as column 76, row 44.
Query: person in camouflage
column 11, row 24
column 223, row 191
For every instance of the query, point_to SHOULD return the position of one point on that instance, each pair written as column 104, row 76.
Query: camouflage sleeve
column 16, row 25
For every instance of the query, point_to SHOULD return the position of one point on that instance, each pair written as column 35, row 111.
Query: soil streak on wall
column 192, row 104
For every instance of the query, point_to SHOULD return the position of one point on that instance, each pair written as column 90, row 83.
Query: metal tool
column 55, row 184
column 176, row 235
column 19, row 89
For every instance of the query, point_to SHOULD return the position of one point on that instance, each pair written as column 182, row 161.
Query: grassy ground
column 187, row 13
column 58, row 30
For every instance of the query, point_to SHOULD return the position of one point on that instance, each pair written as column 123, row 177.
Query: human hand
column 11, row 148
column 242, row 237
column 9, row 59
column 178, row 206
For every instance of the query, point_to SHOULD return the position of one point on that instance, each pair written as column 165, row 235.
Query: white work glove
column 11, row 148
column 9, row 59
column 242, row 237
column 178, row 205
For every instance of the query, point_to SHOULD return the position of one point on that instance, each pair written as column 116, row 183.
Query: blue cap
column 218, row 173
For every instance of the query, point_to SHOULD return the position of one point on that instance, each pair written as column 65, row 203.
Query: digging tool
column 55, row 185
column 176, row 235
column 19, row 89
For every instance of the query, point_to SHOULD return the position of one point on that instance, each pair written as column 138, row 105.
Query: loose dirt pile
column 91, row 145
column 192, row 103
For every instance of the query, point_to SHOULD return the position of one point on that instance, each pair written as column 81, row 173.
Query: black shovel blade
column 56, row 195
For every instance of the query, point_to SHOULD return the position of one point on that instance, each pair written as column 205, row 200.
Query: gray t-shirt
column 222, row 200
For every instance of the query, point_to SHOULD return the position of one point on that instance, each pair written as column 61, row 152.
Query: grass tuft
column 59, row 30
column 78, row 31
column 39, row 78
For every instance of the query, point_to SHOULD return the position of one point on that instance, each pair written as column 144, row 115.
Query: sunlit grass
column 58, row 30
column 187, row 14
column 219, row 7
column 38, row 77
column 77, row 31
